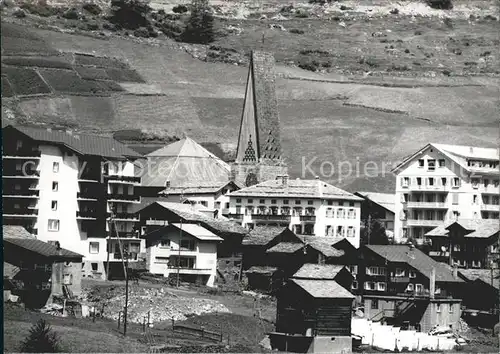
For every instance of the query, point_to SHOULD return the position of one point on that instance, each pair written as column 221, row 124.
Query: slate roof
column 185, row 163
column 187, row 212
column 198, row 232
column 459, row 154
column 318, row 271
column 43, row 248
column 324, row 245
column 323, row 289
column 298, row 188
column 15, row 231
column 480, row 228
column 261, row 236
column 285, row 247
column 262, row 270
column 80, row 143
column 483, row 275
column 385, row 200
column 201, row 187
column 416, row 259
column 10, row 270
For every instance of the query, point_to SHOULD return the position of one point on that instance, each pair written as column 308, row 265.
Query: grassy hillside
column 327, row 118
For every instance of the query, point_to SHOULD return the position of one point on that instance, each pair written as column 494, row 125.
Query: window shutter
column 455, row 198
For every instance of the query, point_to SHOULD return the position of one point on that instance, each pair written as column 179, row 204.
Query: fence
column 198, row 331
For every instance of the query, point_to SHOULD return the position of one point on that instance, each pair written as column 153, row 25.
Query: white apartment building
column 445, row 182
column 307, row 207
column 185, row 250
column 66, row 187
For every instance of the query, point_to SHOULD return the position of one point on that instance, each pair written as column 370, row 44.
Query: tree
column 200, row 25
column 41, row 339
column 373, row 233
column 129, row 14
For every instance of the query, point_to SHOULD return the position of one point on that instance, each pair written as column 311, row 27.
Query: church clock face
column 251, row 179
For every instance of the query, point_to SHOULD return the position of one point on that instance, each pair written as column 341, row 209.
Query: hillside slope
column 324, row 122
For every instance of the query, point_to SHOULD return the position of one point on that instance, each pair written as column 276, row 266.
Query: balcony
column 28, row 174
column 439, row 254
column 22, row 154
column 123, row 179
column 124, row 217
column 235, row 216
column 427, row 205
column 200, row 271
column 29, row 212
column 311, row 218
column 123, row 235
column 490, row 207
column 89, row 177
column 21, row 193
column 86, row 196
column 270, row 217
column 399, row 279
column 422, row 187
column 421, row 222
column 123, row 198
column 86, row 215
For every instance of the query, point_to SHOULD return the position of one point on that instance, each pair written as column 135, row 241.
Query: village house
column 76, row 189
column 466, row 243
column 338, row 273
column 401, row 285
column 313, row 316
column 308, row 207
column 213, row 238
column 379, row 207
column 37, row 271
column 440, row 183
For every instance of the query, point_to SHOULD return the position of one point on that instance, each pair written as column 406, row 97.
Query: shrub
column 394, row 11
column 446, row 72
column 296, row 31
column 180, row 9
column 448, row 22
column 92, row 26
column 130, row 14
column 39, row 9
column 301, row 14
column 19, row 13
column 41, row 339
column 287, row 9
column 92, row 8
column 172, row 29
column 71, row 14
column 200, row 25
column 308, row 64
column 141, row 32
column 440, row 4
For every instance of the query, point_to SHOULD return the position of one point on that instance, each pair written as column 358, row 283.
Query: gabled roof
column 200, row 187
column 185, row 163
column 486, row 276
column 43, row 248
column 416, row 259
column 193, row 215
column 479, row 228
column 10, row 270
column 261, row 236
column 197, row 231
column 262, row 270
column 323, row 245
column 458, row 154
column 286, row 247
column 385, row 200
column 16, row 231
column 318, row 271
column 80, row 143
column 298, row 188
column 323, row 289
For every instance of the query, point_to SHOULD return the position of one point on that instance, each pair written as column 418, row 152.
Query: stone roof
column 261, row 236
column 385, row 200
column 184, row 163
column 416, row 259
column 15, row 231
column 262, row 270
column 475, row 228
column 80, row 143
column 201, row 187
column 42, row 248
column 484, row 275
column 197, row 231
column 323, row 245
column 323, row 289
column 318, row 271
column 297, row 188
column 286, row 247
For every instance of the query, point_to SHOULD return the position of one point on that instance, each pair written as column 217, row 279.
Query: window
column 341, row 203
column 329, row 213
column 354, row 285
column 374, row 304
column 55, row 167
column 475, row 182
column 297, row 202
column 419, row 288
column 410, row 287
column 413, row 274
column 350, row 231
column 351, row 214
column 204, row 203
column 351, row 203
column 188, row 245
column 419, row 181
column 164, row 243
column 431, row 181
column 370, row 285
column 421, row 163
column 455, row 182
column 376, row 270
column 441, row 163
column 55, row 186
column 450, row 308
column 486, row 183
column 273, row 201
column 285, row 201
column 381, row 286
column 340, row 213
column 443, row 181
column 54, row 205
column 400, row 272
column 330, row 202
column 250, row 201
column 438, row 307
column 93, row 247
column 405, row 181
column 310, row 202
column 353, row 269
column 94, row 266
column 53, row 225
column 238, row 200
column 262, row 201
column 19, row 144
column 454, row 198
column 161, row 260
column 431, row 165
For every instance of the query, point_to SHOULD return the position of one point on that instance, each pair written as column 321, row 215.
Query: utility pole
column 180, row 242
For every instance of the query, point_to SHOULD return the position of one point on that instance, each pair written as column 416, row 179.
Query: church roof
column 184, row 163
